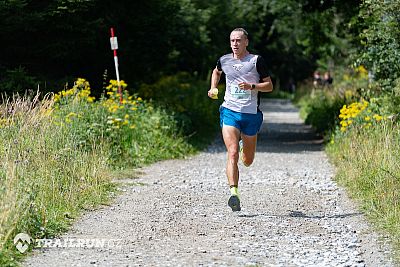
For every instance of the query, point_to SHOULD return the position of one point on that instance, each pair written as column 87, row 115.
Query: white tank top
column 236, row 71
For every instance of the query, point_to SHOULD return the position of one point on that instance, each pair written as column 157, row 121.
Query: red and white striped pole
column 114, row 47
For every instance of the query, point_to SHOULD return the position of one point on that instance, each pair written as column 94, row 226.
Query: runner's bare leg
column 249, row 148
column 231, row 136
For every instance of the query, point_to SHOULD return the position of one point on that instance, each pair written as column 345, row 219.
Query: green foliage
column 380, row 40
column 389, row 97
column 17, row 81
column 46, row 178
column 320, row 106
column 321, row 110
column 57, row 155
column 77, row 37
column 368, row 164
column 393, row 100
column 186, row 97
column 134, row 131
column 278, row 94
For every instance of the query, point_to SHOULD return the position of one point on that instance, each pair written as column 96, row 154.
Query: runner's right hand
column 213, row 93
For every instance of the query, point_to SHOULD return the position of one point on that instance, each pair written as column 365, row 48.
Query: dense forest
column 48, row 43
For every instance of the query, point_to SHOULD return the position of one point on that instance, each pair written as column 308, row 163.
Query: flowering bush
column 122, row 112
column 360, row 112
column 134, row 131
column 80, row 91
column 183, row 96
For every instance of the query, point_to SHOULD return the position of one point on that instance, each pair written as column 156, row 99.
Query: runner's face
column 239, row 42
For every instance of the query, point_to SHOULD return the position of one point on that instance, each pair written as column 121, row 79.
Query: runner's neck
column 236, row 56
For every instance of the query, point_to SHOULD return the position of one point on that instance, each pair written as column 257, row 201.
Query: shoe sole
column 234, row 203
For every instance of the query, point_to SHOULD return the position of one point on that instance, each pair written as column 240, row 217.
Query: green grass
column 366, row 152
column 66, row 154
column 368, row 165
column 45, row 179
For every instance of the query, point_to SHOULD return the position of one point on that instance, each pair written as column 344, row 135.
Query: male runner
column 240, row 119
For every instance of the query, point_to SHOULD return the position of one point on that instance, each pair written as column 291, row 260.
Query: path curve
column 176, row 213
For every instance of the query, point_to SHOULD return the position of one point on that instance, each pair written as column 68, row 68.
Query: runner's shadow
column 300, row 214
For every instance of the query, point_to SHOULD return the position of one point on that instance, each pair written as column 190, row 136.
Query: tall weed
column 57, row 155
column 45, row 176
column 368, row 164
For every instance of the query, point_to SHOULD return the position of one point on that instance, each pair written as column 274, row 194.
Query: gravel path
column 176, row 213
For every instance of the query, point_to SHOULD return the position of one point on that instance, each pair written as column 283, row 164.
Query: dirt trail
column 176, row 213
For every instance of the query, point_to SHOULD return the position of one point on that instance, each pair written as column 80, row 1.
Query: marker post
column 114, row 47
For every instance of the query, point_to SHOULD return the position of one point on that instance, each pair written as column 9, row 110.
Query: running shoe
column 234, row 203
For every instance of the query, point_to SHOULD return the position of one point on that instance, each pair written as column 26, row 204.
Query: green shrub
column 134, row 131
column 17, row 81
column 57, row 156
column 322, row 111
column 380, row 39
column 320, row 107
column 186, row 98
column 45, row 175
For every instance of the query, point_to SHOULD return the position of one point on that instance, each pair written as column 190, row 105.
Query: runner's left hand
column 244, row 85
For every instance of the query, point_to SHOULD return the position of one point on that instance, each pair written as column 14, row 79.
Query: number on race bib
column 238, row 93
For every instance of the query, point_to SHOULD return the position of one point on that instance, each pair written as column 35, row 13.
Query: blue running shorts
column 248, row 124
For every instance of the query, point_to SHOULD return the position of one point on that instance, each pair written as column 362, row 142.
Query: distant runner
column 240, row 118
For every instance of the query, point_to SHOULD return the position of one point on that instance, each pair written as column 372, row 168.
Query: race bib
column 238, row 93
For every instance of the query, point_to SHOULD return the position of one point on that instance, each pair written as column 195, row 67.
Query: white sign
column 114, row 43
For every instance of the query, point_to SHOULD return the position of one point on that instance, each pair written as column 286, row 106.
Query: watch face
column 253, row 86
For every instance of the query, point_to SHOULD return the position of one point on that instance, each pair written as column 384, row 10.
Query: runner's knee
column 233, row 156
column 248, row 161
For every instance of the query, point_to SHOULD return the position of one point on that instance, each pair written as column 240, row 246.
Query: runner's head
column 239, row 41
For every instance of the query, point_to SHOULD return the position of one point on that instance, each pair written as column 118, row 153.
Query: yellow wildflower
column 377, row 117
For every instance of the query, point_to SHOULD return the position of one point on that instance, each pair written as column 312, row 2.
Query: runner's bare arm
column 215, row 77
column 265, row 86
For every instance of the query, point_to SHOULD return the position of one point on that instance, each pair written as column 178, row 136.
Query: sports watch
column 253, row 86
